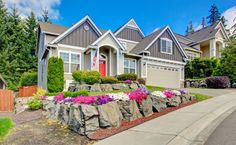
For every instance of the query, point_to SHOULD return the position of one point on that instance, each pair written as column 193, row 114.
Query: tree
column 223, row 20
column 191, row 29
column 45, row 17
column 187, row 30
column 3, row 16
column 214, row 16
column 203, row 24
column 227, row 65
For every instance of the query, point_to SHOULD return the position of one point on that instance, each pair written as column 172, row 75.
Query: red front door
column 102, row 67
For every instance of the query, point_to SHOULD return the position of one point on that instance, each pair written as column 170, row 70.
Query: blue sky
column 111, row 14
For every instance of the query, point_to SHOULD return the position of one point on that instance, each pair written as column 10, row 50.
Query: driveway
column 211, row 92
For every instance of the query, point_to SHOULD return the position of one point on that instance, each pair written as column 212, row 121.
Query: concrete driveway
column 211, row 92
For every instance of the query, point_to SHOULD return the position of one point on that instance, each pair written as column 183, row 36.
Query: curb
column 198, row 132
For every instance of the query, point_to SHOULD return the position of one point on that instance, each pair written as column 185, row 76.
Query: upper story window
column 71, row 61
column 166, row 46
column 129, row 65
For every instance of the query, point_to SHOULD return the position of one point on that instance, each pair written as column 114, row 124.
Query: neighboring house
column 3, row 83
column 205, row 43
column 158, row 57
column 232, row 30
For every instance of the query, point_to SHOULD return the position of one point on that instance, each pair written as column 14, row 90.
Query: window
column 129, row 66
column 71, row 61
column 191, row 55
column 166, row 46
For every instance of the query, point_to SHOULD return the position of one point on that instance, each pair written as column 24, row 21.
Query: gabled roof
column 52, row 28
column 129, row 24
column 68, row 31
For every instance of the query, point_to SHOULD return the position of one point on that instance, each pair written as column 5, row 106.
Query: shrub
column 129, row 76
column 28, row 79
column 55, row 75
column 91, row 77
column 51, row 94
column 77, row 75
column 40, row 92
column 35, row 104
column 218, row 82
column 109, row 80
column 75, row 94
column 142, row 81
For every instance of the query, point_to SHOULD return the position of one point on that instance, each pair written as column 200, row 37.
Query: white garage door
column 163, row 76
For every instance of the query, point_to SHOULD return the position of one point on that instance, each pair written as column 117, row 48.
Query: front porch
column 211, row 48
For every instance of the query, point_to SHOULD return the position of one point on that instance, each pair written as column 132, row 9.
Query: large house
column 158, row 57
column 205, row 43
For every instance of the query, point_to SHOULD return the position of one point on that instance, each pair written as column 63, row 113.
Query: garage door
column 163, row 76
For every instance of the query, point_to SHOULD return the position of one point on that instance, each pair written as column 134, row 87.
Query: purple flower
column 183, row 91
column 104, row 99
column 69, row 100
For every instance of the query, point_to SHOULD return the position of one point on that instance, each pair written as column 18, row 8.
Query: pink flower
column 168, row 93
column 59, row 97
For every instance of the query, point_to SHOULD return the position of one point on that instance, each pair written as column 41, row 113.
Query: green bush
column 29, row 79
column 51, row 94
column 142, row 81
column 77, row 75
column 91, row 77
column 35, row 104
column 128, row 76
column 55, row 75
column 75, row 94
column 109, row 80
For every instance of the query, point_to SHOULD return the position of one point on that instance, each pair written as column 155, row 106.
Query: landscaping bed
column 91, row 115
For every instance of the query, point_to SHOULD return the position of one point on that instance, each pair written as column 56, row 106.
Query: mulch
column 125, row 125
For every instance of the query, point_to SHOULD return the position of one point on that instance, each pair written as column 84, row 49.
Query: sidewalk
column 189, row 125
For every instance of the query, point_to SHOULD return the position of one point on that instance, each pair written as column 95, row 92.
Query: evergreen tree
column 191, row 29
column 3, row 16
column 187, row 30
column 223, row 20
column 45, row 17
column 214, row 16
column 203, row 24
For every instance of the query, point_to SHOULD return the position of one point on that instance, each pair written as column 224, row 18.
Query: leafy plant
column 75, row 94
column 109, row 80
column 35, row 104
column 142, row 81
column 91, row 77
column 218, row 82
column 51, row 94
column 77, row 75
column 29, row 79
column 40, row 92
column 128, row 76
column 55, row 75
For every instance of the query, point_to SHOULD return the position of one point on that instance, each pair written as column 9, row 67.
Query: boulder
column 90, row 116
column 146, row 107
column 173, row 102
column 76, row 121
column 187, row 84
column 133, row 86
column 119, row 86
column 129, row 110
column 71, row 88
column 95, row 88
column 109, row 115
column 195, row 84
column 65, row 113
column 158, row 103
column 106, row 87
column 234, row 85
column 50, row 109
column 83, row 87
column 185, row 99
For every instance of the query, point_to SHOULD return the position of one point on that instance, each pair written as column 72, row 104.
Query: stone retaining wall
column 86, row 119
column 195, row 84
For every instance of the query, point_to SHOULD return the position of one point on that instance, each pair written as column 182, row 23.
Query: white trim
column 71, row 47
column 113, row 36
column 127, row 24
column 129, row 67
column 103, row 59
column 46, row 32
column 110, row 62
column 165, row 60
column 143, row 76
column 70, row 52
column 64, row 34
column 166, row 39
column 129, row 41
column 173, row 36
column 222, row 26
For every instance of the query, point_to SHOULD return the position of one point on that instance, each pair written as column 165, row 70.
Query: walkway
column 211, row 92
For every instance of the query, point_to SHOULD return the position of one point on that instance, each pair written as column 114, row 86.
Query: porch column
column 212, row 48
column 117, row 62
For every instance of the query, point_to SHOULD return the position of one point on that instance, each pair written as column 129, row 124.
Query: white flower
column 177, row 93
column 50, row 98
column 119, row 96
column 159, row 94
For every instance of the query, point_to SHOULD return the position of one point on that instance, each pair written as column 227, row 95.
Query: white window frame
column 70, row 52
column 168, row 40
column 135, row 68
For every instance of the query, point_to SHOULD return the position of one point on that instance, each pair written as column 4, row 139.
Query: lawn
column 201, row 97
column 5, row 125
column 155, row 88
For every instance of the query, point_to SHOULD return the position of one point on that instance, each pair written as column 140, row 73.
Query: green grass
column 5, row 126
column 108, row 92
column 154, row 88
column 201, row 97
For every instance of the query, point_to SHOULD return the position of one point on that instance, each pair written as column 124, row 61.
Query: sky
column 150, row 15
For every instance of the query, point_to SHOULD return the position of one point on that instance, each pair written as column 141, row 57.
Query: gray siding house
column 158, row 57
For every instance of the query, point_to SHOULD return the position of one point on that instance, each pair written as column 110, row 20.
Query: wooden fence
column 6, row 100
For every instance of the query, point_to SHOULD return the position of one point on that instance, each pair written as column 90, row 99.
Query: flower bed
column 87, row 114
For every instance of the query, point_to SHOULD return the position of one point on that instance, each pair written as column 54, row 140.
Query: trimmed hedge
column 75, row 94
column 109, row 80
column 77, row 75
column 29, row 79
column 218, row 82
column 91, row 77
column 55, row 75
column 142, row 81
column 128, row 76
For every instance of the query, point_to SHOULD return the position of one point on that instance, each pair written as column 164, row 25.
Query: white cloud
column 26, row 6
column 230, row 16
column 156, row 29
